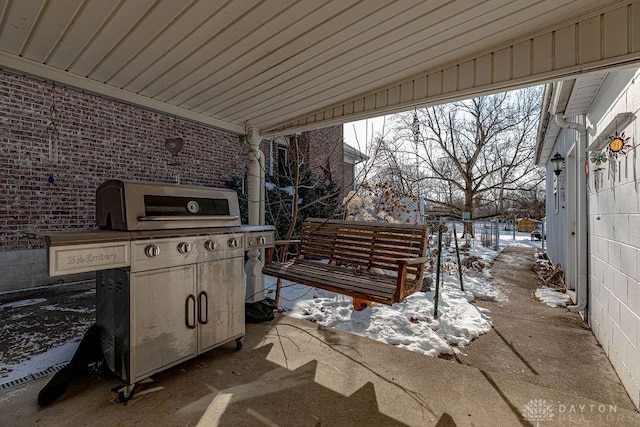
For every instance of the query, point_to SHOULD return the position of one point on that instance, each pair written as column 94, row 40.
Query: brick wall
column 99, row 139
column 323, row 151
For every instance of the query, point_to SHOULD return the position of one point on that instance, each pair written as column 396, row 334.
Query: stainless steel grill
column 169, row 264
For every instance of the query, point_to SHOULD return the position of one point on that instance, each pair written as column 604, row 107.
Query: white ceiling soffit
column 288, row 65
column 585, row 89
column 571, row 98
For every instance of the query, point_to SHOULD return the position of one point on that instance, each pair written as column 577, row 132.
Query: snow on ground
column 552, row 297
column 23, row 303
column 67, row 309
column 409, row 324
column 38, row 363
column 41, row 327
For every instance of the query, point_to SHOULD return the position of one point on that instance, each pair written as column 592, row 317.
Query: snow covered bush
column 379, row 203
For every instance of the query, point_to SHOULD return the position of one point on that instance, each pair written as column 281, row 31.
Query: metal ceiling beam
column 605, row 38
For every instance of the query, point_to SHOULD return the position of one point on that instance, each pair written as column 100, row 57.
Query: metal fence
column 483, row 233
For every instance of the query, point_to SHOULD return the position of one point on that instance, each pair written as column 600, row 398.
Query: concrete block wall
column 99, row 139
column 614, row 237
column 27, row 268
column 23, row 268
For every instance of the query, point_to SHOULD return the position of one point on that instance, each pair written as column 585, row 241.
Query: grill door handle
column 190, row 325
column 206, row 307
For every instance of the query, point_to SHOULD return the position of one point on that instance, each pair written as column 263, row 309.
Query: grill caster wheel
column 239, row 343
column 126, row 393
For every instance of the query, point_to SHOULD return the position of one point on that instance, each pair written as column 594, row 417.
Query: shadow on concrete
column 221, row 387
column 515, row 352
column 273, row 395
column 504, row 397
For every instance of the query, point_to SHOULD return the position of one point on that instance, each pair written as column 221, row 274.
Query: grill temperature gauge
column 193, row 206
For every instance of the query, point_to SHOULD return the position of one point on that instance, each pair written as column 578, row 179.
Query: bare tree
column 474, row 152
column 391, row 165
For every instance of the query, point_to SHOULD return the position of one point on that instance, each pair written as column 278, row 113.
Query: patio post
column 255, row 176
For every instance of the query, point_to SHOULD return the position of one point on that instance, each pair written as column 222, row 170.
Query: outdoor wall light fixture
column 558, row 162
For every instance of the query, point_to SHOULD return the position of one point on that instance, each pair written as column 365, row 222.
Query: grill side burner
column 169, row 264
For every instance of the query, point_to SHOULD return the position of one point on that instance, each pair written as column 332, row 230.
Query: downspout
column 581, row 214
column 263, row 198
column 263, row 202
column 271, row 157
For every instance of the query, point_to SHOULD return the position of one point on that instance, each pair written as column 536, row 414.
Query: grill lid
column 132, row 205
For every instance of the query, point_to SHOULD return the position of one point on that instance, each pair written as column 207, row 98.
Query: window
column 283, row 161
column 326, row 170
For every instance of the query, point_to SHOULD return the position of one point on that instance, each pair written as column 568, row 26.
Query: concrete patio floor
column 295, row 373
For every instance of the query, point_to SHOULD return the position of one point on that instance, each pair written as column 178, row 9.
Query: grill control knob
column 184, row 247
column 261, row 240
column 211, row 245
column 233, row 242
column 151, row 251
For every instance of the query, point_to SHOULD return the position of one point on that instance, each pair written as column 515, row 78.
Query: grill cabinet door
column 163, row 305
column 222, row 283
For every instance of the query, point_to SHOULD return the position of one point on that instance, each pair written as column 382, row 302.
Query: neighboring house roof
column 353, row 156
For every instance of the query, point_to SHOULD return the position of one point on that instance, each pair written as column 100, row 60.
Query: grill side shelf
column 72, row 259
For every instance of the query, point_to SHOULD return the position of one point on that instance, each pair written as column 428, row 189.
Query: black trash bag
column 88, row 353
column 260, row 311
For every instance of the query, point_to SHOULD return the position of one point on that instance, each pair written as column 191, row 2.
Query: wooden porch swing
column 369, row 261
